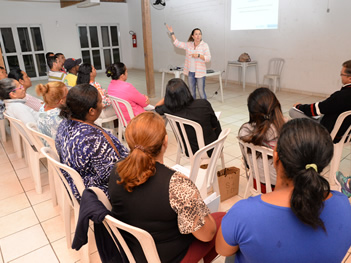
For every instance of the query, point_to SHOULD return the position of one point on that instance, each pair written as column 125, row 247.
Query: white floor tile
column 23, row 242
column 41, row 255
column 13, row 204
column 46, row 210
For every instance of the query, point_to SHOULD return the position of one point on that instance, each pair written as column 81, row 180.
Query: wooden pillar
column 148, row 54
column 2, row 64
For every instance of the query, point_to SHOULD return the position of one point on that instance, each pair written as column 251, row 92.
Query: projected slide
column 254, row 14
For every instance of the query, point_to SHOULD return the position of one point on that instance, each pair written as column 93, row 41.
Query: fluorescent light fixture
column 88, row 3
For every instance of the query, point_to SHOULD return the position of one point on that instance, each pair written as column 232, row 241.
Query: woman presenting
column 197, row 53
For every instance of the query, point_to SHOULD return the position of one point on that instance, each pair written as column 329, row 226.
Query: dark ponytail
column 265, row 110
column 305, row 149
column 114, row 71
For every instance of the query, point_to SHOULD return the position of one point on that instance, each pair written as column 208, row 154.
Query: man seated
column 62, row 59
column 55, row 66
column 330, row 108
column 72, row 66
column 13, row 93
column 26, row 82
column 3, row 73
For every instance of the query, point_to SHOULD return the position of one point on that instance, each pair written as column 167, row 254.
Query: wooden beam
column 65, row 3
column 1, row 60
column 148, row 54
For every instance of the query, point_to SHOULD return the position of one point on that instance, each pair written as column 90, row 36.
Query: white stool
column 242, row 71
column 177, row 73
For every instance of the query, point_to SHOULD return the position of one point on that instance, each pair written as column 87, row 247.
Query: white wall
column 59, row 24
column 314, row 43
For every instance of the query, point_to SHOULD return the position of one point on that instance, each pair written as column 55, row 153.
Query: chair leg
column 3, row 129
column 51, row 173
column 67, row 219
column 16, row 141
column 335, row 163
column 274, row 85
column 35, row 168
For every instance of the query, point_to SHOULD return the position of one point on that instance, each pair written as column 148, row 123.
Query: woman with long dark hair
column 302, row 220
column 179, row 102
column 83, row 145
column 147, row 194
column 263, row 128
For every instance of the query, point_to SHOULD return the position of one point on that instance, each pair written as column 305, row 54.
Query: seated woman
column 147, row 194
column 178, row 101
column 264, row 125
column 119, row 88
column 81, row 144
column 26, row 82
column 54, row 95
column 302, row 220
column 87, row 74
column 13, row 94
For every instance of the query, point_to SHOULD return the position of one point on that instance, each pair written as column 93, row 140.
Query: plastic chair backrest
column 116, row 104
column 211, row 173
column 39, row 137
column 112, row 225
column 178, row 128
column 23, row 131
column 275, row 66
column 256, row 153
column 145, row 239
column 54, row 160
column 345, row 138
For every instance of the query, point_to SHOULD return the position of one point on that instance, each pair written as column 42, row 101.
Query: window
column 22, row 46
column 99, row 45
column 254, row 14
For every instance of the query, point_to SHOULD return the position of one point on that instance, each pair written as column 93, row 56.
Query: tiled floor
column 32, row 230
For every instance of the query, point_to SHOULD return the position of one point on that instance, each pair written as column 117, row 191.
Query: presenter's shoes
column 345, row 183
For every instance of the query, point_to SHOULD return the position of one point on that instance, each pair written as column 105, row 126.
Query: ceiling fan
column 158, row 4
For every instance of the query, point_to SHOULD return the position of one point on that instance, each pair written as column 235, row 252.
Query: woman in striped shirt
column 197, row 54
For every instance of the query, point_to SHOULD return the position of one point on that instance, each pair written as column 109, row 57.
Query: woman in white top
column 197, row 53
column 263, row 127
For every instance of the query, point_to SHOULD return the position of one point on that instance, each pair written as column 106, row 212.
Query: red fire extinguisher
column 134, row 38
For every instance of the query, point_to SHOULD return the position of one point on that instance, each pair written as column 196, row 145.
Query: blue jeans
column 197, row 82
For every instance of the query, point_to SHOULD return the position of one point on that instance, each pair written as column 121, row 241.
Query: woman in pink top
column 197, row 53
column 121, row 89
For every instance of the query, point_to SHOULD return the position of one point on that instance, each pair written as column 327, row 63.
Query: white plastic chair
column 38, row 140
column 109, row 120
column 33, row 153
column 274, row 71
column 338, row 147
column 40, row 137
column 69, row 201
column 180, row 133
column 205, row 179
column 122, row 122
column 16, row 139
column 250, row 154
column 113, row 225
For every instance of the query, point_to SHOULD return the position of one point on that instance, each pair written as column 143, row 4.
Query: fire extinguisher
column 134, row 38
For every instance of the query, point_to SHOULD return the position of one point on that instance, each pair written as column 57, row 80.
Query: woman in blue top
column 81, row 144
column 302, row 220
